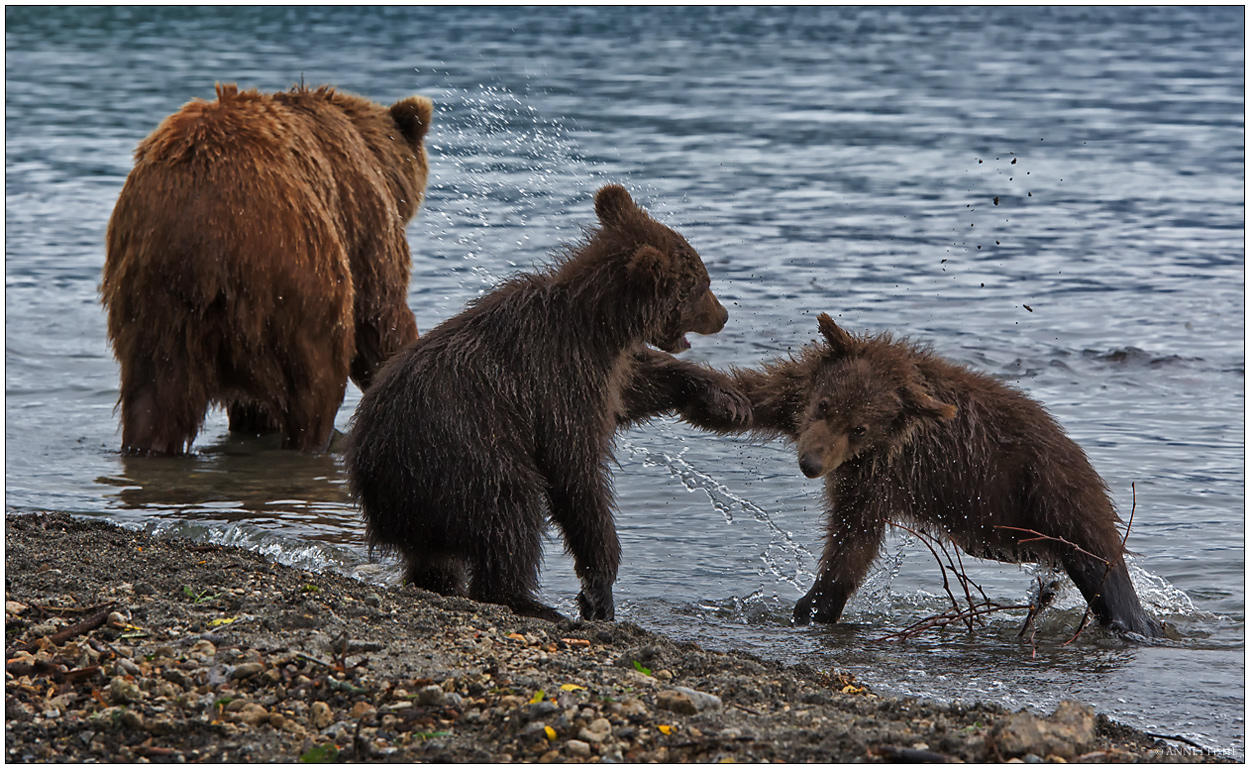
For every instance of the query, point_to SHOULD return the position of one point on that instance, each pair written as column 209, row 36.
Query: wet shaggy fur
column 503, row 417
column 257, row 258
column 901, row 435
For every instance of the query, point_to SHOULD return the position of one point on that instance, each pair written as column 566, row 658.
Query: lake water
column 838, row 160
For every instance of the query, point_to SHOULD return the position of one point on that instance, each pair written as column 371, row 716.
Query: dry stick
column 959, row 575
column 945, row 582
column 1123, row 545
column 1179, row 738
column 72, row 609
column 1061, row 540
column 985, row 597
column 942, row 620
column 86, row 626
column 962, row 575
column 973, row 612
column 1044, row 598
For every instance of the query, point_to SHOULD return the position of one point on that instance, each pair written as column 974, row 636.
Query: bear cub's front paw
column 719, row 404
column 595, row 601
column 819, row 605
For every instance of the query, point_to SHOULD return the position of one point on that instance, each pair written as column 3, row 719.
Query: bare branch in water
column 975, row 611
column 1038, row 536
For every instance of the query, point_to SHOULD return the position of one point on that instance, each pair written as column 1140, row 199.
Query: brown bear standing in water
column 503, row 416
column 900, row 434
column 257, row 258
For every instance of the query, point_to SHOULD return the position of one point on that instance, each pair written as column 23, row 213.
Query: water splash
column 304, row 555
column 497, row 166
column 783, row 557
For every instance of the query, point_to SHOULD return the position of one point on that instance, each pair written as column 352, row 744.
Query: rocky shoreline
column 124, row 647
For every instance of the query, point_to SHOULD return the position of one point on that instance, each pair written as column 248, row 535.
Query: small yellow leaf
column 571, row 687
column 221, row 621
column 851, row 689
column 551, row 733
column 538, row 697
column 665, row 728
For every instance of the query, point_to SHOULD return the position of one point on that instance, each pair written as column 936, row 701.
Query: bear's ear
column 918, row 403
column 648, row 266
column 839, row 341
column 612, row 203
column 413, row 116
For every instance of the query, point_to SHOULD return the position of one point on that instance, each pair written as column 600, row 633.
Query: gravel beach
column 124, row 647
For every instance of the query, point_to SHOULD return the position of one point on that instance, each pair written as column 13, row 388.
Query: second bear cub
column 900, row 434
column 503, row 416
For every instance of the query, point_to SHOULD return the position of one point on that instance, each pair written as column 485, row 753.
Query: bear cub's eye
column 860, row 432
column 822, row 408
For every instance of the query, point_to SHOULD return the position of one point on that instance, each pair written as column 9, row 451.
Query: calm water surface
column 1055, row 196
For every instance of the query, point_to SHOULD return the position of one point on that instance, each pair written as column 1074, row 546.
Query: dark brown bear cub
column 257, row 258
column 900, row 434
column 503, row 417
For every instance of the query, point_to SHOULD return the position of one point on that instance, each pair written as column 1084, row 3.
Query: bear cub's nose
column 810, row 465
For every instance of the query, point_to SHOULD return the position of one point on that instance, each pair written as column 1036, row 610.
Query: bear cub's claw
column 736, row 405
column 720, row 405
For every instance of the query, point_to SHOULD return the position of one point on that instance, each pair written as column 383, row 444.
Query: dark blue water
column 836, row 160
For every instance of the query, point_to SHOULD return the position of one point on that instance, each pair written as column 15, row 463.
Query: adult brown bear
column 503, row 416
column 900, row 434
column 257, row 258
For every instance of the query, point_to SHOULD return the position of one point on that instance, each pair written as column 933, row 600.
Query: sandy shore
column 123, row 647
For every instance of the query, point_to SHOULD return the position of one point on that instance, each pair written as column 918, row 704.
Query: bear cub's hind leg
column 506, row 573
column 1110, row 595
column 445, row 575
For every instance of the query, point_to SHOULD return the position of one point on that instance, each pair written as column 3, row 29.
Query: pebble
column 253, row 714
column 702, row 700
column 246, row 670
column 596, row 731
column 634, row 709
column 1066, row 733
column 535, row 729
column 431, row 696
column 535, row 710
column 132, row 719
column 678, row 702
column 203, row 650
column 577, row 748
column 320, row 715
column 124, row 691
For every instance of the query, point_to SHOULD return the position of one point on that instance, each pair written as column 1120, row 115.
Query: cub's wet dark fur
column 900, row 434
column 503, row 416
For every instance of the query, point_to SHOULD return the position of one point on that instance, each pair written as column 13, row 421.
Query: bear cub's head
column 662, row 270
column 866, row 398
